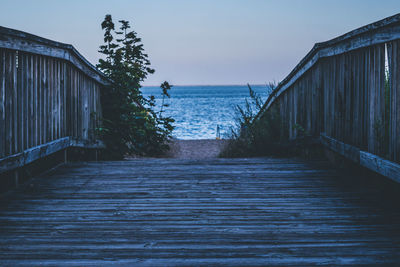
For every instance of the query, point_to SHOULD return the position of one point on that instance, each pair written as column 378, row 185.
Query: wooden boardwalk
column 162, row 212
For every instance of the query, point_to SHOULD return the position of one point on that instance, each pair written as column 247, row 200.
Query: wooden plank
column 2, row 103
column 62, row 101
column 32, row 154
column 45, row 113
column 235, row 212
column 36, row 99
column 31, row 95
column 51, row 102
column 337, row 46
column 76, row 104
column 58, row 100
column 29, row 104
column 16, row 40
column 382, row 166
column 16, row 114
column 43, row 96
column 356, row 99
column 346, row 150
column 394, row 124
column 372, row 101
column 9, row 101
column 86, row 111
column 348, row 99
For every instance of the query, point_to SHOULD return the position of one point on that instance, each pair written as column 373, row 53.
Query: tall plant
column 130, row 124
column 251, row 136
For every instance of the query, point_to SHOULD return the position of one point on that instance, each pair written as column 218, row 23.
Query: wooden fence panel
column 43, row 99
column 344, row 96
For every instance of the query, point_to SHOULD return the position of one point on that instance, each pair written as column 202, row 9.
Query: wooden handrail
column 348, row 88
column 22, row 41
column 48, row 93
column 378, row 32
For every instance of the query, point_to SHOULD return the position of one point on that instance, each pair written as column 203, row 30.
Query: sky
column 202, row 42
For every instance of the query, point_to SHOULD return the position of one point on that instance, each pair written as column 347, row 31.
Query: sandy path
column 196, row 149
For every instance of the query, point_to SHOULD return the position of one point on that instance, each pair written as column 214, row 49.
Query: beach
column 196, row 149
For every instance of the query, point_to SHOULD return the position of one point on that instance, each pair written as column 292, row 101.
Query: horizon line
column 209, row 84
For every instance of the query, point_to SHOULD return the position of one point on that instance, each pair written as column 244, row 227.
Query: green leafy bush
column 130, row 123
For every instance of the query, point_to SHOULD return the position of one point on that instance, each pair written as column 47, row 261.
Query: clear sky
column 202, row 41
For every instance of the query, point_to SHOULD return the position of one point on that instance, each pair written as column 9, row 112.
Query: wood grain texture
column 380, row 165
column 346, row 150
column 379, row 32
column 29, row 43
column 339, row 89
column 236, row 212
column 35, row 102
column 32, row 154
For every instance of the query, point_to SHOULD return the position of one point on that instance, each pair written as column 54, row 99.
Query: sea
column 204, row 112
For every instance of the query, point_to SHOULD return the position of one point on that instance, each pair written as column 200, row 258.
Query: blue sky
column 203, row 41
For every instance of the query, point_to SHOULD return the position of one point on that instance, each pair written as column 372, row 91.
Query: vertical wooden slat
column 356, row 95
column 17, row 118
column 372, row 102
column 319, row 80
column 2, row 103
column 51, row 99
column 46, row 111
column 348, row 98
column 380, row 87
column 9, row 96
column 69, row 101
column 36, row 99
column 366, row 84
column 76, row 108
column 42, row 99
column 57, row 99
column 62, row 99
column 29, row 87
column 76, row 104
column 394, row 125
column 392, row 53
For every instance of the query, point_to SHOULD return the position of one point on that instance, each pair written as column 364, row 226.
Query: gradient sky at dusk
column 203, row 42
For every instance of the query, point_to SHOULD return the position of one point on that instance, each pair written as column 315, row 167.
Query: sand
column 196, row 149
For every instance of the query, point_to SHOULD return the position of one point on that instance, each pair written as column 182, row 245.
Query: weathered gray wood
column 44, row 150
column 394, row 128
column 354, row 105
column 236, row 212
column 376, row 33
column 22, row 41
column 2, row 103
column 346, row 150
column 43, row 97
column 32, row 154
column 380, row 165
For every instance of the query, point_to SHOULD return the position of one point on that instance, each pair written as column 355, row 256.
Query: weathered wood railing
column 347, row 91
column 49, row 98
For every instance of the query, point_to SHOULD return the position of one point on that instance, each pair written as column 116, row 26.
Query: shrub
column 254, row 136
column 130, row 124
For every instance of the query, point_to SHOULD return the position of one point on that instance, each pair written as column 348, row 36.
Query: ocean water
column 199, row 110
